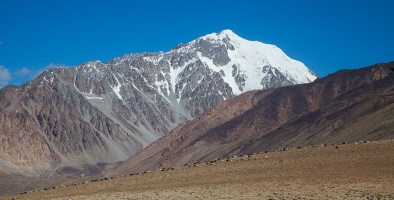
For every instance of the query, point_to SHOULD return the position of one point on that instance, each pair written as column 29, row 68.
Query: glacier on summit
column 257, row 63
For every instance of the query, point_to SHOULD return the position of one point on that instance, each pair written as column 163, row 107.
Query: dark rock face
column 347, row 106
column 105, row 113
column 274, row 78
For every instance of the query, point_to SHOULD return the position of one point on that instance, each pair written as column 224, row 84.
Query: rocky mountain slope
column 96, row 113
column 347, row 106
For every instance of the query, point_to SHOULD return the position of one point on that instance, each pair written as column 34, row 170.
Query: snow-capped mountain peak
column 248, row 65
column 110, row 111
column 227, row 33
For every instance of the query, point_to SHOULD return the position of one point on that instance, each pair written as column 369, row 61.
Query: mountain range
column 345, row 107
column 96, row 114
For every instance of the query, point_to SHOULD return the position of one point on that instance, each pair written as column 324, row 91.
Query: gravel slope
column 349, row 171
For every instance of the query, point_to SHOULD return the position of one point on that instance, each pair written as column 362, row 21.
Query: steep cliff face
column 104, row 113
column 22, row 144
column 347, row 106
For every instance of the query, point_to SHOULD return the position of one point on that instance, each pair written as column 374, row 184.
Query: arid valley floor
column 348, row 171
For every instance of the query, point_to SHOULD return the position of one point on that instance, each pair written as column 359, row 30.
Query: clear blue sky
column 325, row 35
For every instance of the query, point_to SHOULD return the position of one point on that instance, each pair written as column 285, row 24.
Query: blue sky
column 325, row 35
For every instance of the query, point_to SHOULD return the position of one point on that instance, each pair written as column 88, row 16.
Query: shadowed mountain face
column 99, row 113
column 347, row 106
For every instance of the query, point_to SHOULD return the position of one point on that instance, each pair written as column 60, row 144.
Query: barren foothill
column 348, row 171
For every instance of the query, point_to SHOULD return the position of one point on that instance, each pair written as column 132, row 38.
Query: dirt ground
column 348, row 171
